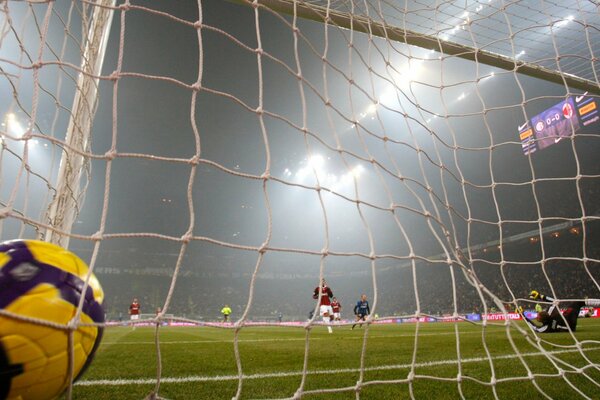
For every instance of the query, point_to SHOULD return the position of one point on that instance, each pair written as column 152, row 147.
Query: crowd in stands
column 563, row 274
column 438, row 288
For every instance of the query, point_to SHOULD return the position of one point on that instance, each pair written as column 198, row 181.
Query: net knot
column 73, row 324
column 96, row 237
column 198, row 25
column 111, row 154
column 187, row 237
column 195, row 160
column 5, row 212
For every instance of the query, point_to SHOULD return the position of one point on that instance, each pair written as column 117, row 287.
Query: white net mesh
column 438, row 156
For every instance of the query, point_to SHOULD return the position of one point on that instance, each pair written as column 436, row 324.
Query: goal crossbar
column 367, row 25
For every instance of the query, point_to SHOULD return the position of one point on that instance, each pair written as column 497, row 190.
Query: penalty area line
column 219, row 378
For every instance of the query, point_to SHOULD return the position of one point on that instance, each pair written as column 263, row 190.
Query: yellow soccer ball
column 42, row 281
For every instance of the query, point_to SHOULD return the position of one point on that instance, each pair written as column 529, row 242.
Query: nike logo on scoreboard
column 579, row 98
column 523, row 126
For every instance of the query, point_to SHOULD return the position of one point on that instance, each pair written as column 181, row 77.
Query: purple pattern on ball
column 69, row 285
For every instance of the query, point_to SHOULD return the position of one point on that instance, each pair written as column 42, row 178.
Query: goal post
column 69, row 195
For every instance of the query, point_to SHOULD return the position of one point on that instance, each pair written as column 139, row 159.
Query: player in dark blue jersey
column 361, row 310
column 555, row 321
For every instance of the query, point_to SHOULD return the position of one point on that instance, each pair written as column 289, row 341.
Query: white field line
column 218, row 378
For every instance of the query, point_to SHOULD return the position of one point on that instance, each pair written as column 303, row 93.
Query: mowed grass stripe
column 272, row 364
column 285, row 339
column 120, row 382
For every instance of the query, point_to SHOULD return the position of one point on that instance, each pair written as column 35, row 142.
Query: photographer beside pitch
column 552, row 320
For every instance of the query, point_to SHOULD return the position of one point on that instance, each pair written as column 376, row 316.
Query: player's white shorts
column 325, row 310
column 337, row 315
column 135, row 316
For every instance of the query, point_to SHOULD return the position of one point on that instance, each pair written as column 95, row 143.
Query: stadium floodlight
column 14, row 128
column 316, row 162
column 316, row 167
column 409, row 72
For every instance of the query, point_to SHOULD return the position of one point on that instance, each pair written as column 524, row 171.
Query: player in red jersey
column 324, row 302
column 337, row 308
column 134, row 310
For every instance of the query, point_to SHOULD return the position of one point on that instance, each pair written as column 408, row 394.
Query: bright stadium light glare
column 329, row 180
column 316, row 161
column 14, row 128
column 408, row 73
column 564, row 22
column 389, row 98
column 302, row 173
column 357, row 171
column 354, row 173
column 315, row 167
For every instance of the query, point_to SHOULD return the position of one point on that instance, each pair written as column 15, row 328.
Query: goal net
column 440, row 157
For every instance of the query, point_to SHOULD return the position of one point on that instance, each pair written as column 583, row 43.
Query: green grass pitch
column 199, row 363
